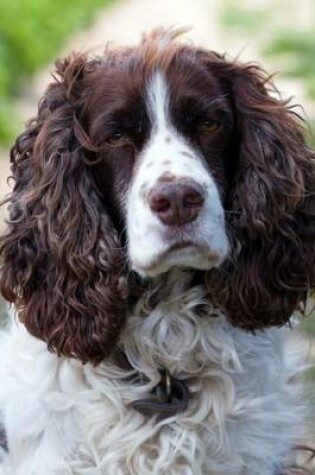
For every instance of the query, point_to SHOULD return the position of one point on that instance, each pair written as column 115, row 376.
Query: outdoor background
column 280, row 34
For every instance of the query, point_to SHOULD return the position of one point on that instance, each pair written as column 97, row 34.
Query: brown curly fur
column 64, row 263
column 62, row 258
column 271, row 207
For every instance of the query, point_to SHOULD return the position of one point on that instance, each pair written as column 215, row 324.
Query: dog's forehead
column 125, row 76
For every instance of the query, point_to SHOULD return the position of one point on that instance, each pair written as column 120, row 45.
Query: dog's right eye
column 117, row 138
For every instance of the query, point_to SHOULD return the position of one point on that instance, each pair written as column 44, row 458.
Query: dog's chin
column 184, row 255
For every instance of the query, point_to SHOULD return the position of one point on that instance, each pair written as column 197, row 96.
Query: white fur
column 148, row 238
column 244, row 413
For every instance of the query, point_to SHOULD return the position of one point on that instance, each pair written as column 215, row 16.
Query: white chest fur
column 66, row 418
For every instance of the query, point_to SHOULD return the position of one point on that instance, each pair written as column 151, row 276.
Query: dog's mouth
column 177, row 246
column 185, row 253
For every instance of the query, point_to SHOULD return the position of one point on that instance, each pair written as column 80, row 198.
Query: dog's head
column 149, row 158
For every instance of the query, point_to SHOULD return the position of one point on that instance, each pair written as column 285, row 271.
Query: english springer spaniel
column 161, row 232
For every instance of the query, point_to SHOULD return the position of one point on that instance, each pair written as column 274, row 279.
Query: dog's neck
column 161, row 328
column 167, row 324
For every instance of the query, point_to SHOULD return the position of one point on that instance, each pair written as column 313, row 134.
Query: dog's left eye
column 210, row 125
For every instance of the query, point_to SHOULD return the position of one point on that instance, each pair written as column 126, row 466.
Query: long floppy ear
column 271, row 206
column 62, row 258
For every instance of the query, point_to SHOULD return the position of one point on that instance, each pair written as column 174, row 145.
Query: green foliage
column 293, row 50
column 312, row 134
column 31, row 32
column 8, row 122
column 239, row 18
column 297, row 49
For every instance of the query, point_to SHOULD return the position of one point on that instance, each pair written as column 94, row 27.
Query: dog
column 160, row 238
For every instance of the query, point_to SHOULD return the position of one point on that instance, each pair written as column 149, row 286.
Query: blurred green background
column 278, row 33
column 32, row 32
column 284, row 35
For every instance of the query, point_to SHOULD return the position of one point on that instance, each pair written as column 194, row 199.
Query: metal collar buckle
column 164, row 389
column 169, row 397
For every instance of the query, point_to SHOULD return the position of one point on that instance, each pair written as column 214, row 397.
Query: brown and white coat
column 163, row 207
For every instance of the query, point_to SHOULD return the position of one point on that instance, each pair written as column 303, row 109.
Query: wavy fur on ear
column 62, row 257
column 271, row 206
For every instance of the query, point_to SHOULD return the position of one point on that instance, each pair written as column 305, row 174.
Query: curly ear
column 62, row 257
column 271, row 206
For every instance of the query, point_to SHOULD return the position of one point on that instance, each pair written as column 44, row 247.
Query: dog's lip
column 164, row 254
column 178, row 246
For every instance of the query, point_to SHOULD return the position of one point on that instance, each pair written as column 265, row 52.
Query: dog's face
column 148, row 158
column 165, row 135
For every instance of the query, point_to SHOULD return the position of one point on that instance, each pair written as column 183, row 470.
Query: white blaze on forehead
column 167, row 150
column 158, row 102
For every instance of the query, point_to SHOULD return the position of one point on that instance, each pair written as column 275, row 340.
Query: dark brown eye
column 210, row 125
column 117, row 138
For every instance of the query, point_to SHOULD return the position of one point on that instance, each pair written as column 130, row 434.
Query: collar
column 168, row 398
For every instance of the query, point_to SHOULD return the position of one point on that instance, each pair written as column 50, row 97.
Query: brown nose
column 177, row 202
